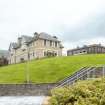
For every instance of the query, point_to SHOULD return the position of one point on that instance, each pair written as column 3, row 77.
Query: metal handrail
column 74, row 78
column 83, row 68
column 85, row 74
column 71, row 78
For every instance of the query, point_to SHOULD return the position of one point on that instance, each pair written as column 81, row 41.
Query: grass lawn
column 49, row 70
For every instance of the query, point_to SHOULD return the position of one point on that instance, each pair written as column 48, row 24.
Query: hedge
column 88, row 92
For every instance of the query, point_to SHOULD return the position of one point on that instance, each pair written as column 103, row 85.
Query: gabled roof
column 13, row 45
column 29, row 39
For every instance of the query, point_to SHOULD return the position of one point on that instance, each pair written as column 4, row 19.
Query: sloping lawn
column 49, row 70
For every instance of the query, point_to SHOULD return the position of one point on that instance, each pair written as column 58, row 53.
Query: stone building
column 91, row 49
column 39, row 46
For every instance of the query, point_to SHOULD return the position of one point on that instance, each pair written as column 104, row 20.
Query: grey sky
column 75, row 22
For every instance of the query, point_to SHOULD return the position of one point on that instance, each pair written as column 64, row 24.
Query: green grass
column 49, row 70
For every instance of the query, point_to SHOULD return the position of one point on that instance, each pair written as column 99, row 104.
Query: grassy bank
column 49, row 70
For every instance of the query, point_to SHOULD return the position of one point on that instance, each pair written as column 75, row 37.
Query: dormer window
column 55, row 37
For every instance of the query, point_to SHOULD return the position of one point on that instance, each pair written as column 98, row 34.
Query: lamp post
column 27, row 67
column 27, row 74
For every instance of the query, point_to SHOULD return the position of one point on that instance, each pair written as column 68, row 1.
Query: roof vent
column 55, row 37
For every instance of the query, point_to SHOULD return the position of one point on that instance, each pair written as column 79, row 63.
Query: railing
column 83, row 74
column 82, row 69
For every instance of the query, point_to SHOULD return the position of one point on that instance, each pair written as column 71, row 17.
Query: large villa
column 39, row 46
column 42, row 45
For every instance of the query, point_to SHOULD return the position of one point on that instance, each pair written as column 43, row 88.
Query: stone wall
column 25, row 89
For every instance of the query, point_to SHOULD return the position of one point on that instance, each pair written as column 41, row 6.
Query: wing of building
column 87, row 49
column 39, row 46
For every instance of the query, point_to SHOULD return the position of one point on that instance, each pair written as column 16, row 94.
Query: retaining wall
column 25, row 89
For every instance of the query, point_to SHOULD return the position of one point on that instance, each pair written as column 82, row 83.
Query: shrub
column 88, row 92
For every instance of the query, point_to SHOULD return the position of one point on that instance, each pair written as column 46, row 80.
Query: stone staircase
column 83, row 74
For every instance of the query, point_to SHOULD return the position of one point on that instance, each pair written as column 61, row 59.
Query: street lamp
column 27, row 68
column 27, row 74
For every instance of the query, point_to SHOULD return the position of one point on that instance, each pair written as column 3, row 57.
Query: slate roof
column 86, row 46
column 46, row 36
column 29, row 39
column 15, row 45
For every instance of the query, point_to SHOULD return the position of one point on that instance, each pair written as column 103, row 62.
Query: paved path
column 22, row 100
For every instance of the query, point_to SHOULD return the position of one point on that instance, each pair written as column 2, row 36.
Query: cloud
column 91, row 28
column 70, row 20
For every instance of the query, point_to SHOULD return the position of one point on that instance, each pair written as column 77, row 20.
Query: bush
column 89, row 92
